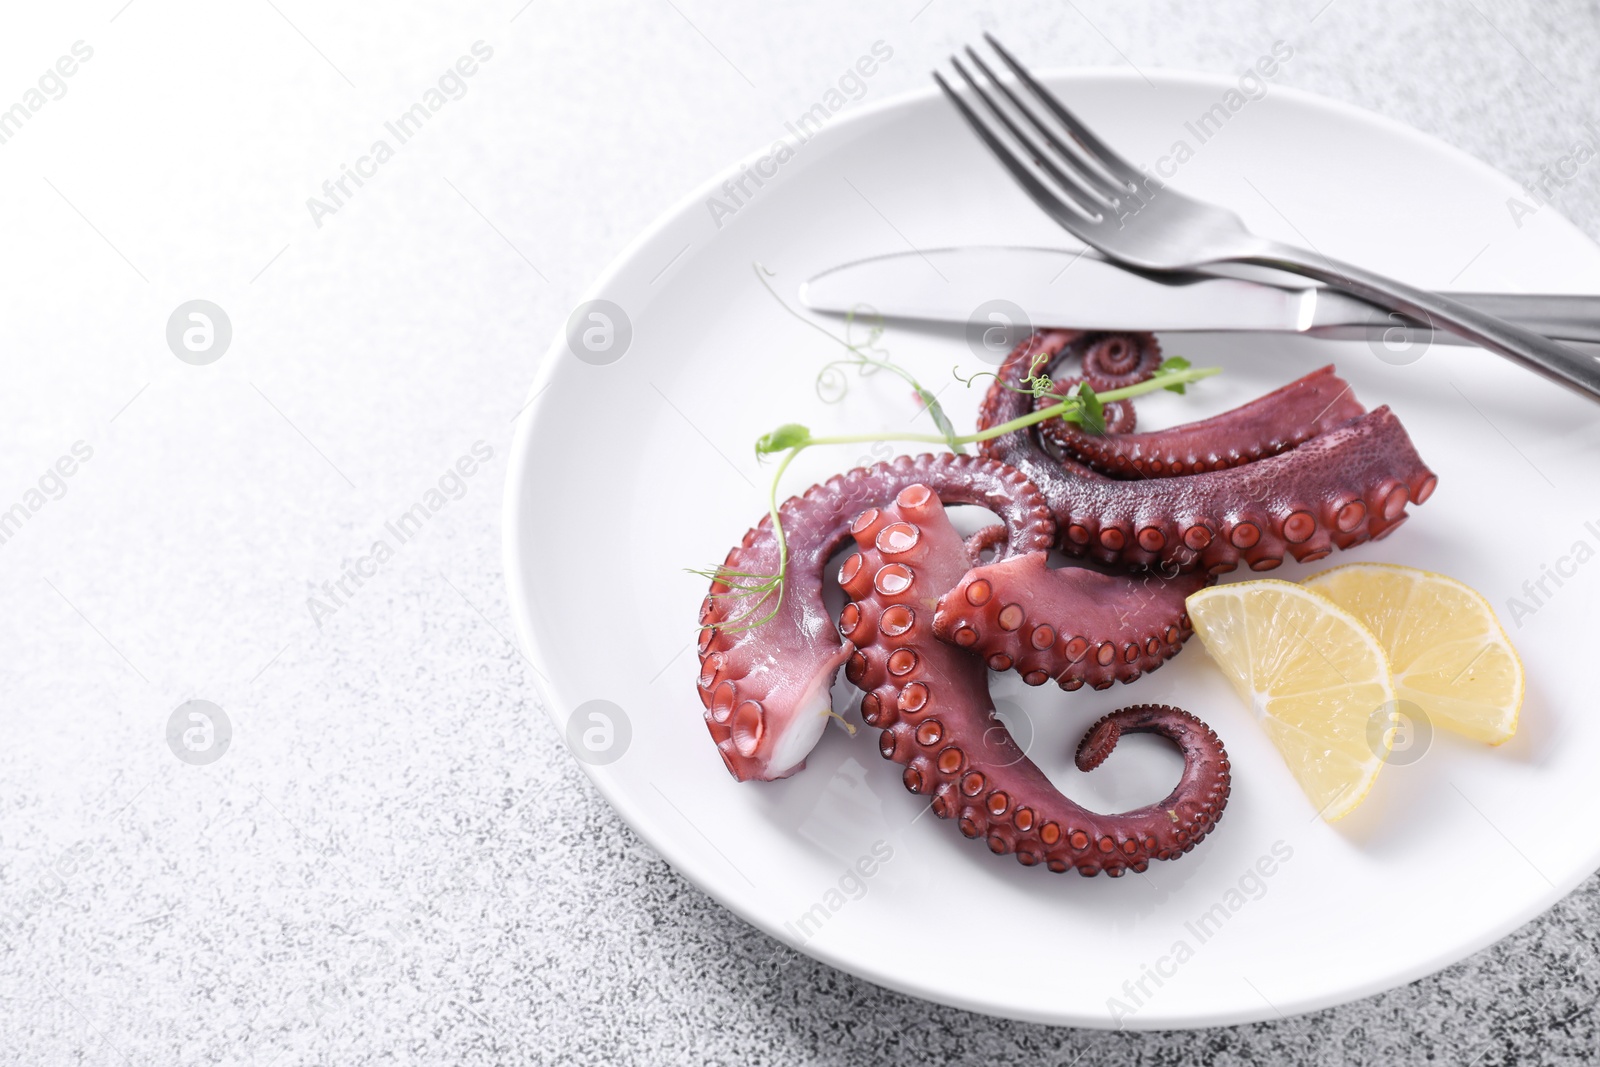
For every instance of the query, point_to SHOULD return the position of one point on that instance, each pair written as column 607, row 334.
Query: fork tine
column 1096, row 149
column 1077, row 194
column 1052, row 204
column 1107, row 189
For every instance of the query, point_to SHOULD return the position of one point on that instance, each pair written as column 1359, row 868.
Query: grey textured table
column 395, row 859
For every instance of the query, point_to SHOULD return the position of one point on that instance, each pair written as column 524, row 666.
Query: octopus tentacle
column 766, row 688
column 1118, row 417
column 1114, row 360
column 988, row 539
column 1072, row 624
column 1270, row 424
column 1347, row 485
column 931, row 702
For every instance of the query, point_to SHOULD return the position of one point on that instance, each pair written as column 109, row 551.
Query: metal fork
column 1102, row 199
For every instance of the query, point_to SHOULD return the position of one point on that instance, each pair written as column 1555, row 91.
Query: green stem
column 862, row 359
column 772, row 509
column 1182, row 377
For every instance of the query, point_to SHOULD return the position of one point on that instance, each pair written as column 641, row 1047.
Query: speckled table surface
column 393, row 858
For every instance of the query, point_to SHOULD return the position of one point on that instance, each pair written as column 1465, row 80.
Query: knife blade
column 987, row 285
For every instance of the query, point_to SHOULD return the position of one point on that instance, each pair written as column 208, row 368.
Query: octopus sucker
column 1042, row 622
column 765, row 688
column 953, row 746
column 1297, row 502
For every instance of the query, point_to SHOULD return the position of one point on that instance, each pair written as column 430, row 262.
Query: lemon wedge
column 1316, row 678
column 1449, row 654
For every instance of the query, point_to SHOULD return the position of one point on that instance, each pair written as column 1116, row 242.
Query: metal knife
column 987, row 285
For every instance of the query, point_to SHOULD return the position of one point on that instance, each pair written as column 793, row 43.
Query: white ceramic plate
column 626, row 473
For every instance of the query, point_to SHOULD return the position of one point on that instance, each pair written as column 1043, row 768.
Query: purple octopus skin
column 1117, row 418
column 1348, row 485
column 931, row 702
column 1072, row 624
column 1266, row 426
column 766, row 688
column 1113, row 360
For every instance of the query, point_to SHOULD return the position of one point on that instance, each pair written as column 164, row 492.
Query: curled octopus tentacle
column 931, row 702
column 1347, row 485
column 988, row 540
column 766, row 688
column 1270, row 424
column 1114, row 360
column 1118, row 417
column 1075, row 625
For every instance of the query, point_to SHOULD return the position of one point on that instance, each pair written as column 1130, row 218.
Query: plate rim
column 522, row 609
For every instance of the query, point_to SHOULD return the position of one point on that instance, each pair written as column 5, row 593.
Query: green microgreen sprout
column 1080, row 405
column 1171, row 365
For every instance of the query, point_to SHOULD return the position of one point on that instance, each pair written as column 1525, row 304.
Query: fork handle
column 1553, row 360
column 1568, row 317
